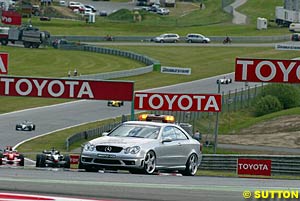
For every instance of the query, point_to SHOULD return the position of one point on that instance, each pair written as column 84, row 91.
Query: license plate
column 106, row 156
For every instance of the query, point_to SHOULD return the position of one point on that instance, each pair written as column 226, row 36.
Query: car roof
column 150, row 123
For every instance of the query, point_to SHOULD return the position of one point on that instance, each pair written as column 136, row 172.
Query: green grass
column 183, row 19
column 204, row 62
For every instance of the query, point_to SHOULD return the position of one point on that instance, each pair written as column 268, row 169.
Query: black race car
column 52, row 158
column 224, row 80
column 25, row 126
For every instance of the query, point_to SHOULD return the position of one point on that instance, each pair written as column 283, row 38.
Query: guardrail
column 152, row 64
column 281, row 164
column 239, row 39
column 92, row 133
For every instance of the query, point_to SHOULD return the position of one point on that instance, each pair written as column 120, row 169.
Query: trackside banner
column 3, row 63
column 246, row 166
column 178, row 102
column 66, row 88
column 266, row 70
column 11, row 18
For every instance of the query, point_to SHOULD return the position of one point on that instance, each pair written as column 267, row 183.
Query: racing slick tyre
column 191, row 166
column 68, row 162
column 21, row 157
column 1, row 156
column 40, row 160
column 33, row 127
column 149, row 163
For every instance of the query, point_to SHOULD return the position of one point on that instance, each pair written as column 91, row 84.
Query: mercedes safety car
column 52, row 158
column 9, row 156
column 145, row 147
column 25, row 126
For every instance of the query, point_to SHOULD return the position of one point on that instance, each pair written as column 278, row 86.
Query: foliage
column 267, row 105
column 287, row 94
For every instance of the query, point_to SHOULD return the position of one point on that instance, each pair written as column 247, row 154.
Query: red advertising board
column 74, row 159
column 11, row 18
column 246, row 166
column 267, row 70
column 178, row 102
column 66, row 88
column 3, row 63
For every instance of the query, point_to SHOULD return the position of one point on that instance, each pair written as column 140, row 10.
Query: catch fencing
column 89, row 134
column 281, row 164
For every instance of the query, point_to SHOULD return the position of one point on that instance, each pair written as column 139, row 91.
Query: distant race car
column 115, row 103
column 224, row 80
column 25, row 126
column 52, row 158
column 11, row 157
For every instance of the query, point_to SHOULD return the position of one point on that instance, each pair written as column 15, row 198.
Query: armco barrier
column 92, row 133
column 146, row 39
column 281, row 164
column 151, row 63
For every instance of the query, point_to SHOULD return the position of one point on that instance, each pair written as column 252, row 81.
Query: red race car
column 11, row 157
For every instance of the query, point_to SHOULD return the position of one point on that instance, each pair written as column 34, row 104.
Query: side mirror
column 105, row 133
column 167, row 139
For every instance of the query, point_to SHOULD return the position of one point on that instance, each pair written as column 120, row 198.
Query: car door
column 168, row 152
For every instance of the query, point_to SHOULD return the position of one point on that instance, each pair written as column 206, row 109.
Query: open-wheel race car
column 9, row 156
column 25, row 126
column 115, row 103
column 224, row 80
column 52, row 158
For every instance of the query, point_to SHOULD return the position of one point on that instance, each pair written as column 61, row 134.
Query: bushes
column 267, row 104
column 275, row 97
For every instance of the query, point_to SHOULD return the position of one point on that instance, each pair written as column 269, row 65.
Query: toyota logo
column 108, row 149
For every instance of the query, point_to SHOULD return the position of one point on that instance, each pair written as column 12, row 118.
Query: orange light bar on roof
column 157, row 118
column 143, row 117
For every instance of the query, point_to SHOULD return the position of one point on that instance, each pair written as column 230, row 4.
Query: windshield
column 139, row 131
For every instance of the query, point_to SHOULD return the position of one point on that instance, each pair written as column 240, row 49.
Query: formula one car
column 52, row 158
column 115, row 103
column 224, row 80
column 25, row 126
column 11, row 157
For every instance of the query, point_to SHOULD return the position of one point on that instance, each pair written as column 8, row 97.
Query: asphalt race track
column 124, row 186
column 56, row 117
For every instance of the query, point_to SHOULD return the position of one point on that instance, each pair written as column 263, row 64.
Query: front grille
column 105, row 161
column 110, row 149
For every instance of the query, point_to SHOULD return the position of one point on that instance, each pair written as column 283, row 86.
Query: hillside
column 279, row 132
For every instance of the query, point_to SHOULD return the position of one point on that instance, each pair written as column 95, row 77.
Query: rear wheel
column 1, row 156
column 149, row 163
column 21, row 157
column 27, row 44
column 35, row 45
column 191, row 166
column 68, row 163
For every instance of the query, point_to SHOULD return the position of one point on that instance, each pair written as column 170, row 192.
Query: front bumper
column 116, row 160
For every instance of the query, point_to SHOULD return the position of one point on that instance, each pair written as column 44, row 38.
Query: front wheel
column 149, row 163
column 191, row 166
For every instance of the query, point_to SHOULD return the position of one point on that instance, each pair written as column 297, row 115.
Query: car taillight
column 200, row 147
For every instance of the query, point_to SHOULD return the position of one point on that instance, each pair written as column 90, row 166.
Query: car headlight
column 89, row 147
column 132, row 150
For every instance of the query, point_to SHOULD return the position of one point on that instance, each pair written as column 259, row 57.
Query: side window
column 179, row 134
column 168, row 132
